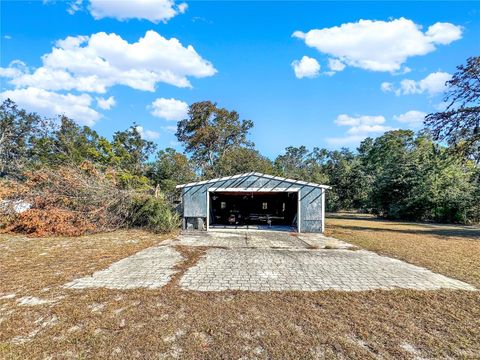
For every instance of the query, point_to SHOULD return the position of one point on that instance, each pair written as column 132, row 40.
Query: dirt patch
column 191, row 256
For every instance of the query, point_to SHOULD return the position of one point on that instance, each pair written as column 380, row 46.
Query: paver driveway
column 307, row 270
column 266, row 261
column 149, row 268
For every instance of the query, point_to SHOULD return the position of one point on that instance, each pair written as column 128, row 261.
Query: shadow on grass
column 352, row 216
column 469, row 233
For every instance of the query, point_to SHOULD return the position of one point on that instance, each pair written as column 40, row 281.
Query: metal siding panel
column 262, row 182
column 311, row 209
column 223, row 183
column 312, row 226
column 314, row 205
column 229, row 183
column 195, row 201
column 275, row 184
column 251, row 181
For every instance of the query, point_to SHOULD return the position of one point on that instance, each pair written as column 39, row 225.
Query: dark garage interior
column 255, row 209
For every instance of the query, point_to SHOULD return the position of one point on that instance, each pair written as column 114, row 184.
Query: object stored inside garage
column 243, row 209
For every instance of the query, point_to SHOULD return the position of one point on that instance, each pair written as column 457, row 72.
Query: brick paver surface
column 149, row 268
column 308, row 270
column 263, row 261
column 259, row 239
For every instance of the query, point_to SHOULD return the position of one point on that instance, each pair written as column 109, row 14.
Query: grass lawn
column 171, row 323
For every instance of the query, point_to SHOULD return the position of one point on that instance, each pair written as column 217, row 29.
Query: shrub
column 153, row 214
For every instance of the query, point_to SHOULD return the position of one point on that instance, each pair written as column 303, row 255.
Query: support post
column 208, row 209
column 299, row 210
column 323, row 210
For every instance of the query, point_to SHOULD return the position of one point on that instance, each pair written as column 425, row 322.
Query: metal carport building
column 253, row 200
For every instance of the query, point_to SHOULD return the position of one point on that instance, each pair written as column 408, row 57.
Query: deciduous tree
column 17, row 130
column 240, row 160
column 209, row 132
column 169, row 169
column 459, row 123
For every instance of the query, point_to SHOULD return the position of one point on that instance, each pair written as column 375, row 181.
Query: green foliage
column 417, row 179
column 130, row 151
column 241, row 160
column 389, row 162
column 17, row 131
column 153, row 214
column 64, row 142
column 294, row 163
column 400, row 175
column 29, row 142
column 209, row 132
column 170, row 169
column 127, row 180
column 340, row 169
column 459, row 123
column 347, row 177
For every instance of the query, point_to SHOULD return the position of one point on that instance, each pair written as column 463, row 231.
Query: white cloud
column 379, row 45
column 360, row 127
column 106, row 104
column 412, row 118
column 336, row 65
column 182, row 8
column 74, row 6
column 57, row 79
column 153, row 10
column 347, row 120
column 386, row 86
column 367, row 129
column 46, row 103
column 432, row 84
column 172, row 129
column 169, row 109
column 15, row 69
column 147, row 134
column 306, row 67
column 7, row 37
column 444, row 33
column 95, row 63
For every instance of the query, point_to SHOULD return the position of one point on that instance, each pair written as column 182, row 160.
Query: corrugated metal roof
column 305, row 183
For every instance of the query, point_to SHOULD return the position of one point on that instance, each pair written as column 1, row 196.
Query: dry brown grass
column 30, row 264
column 446, row 249
column 169, row 322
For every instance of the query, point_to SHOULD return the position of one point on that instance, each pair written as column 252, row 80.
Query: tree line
column 431, row 175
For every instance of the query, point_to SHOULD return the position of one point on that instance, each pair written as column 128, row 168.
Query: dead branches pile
column 74, row 201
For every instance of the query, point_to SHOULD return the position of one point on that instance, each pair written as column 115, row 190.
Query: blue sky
column 390, row 61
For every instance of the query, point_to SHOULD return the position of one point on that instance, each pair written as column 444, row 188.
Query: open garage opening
column 266, row 210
